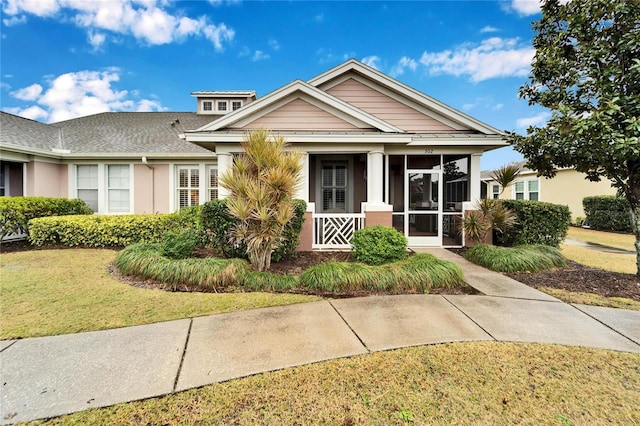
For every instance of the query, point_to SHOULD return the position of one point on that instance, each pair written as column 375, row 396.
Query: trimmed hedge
column 538, row 223
column 217, row 223
column 378, row 244
column 16, row 212
column 608, row 213
column 108, row 231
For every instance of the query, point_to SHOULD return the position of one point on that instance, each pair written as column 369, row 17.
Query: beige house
column 376, row 151
column 568, row 188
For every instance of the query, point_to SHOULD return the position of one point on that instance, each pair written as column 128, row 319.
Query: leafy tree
column 261, row 183
column 586, row 71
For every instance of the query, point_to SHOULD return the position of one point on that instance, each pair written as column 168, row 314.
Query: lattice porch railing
column 334, row 231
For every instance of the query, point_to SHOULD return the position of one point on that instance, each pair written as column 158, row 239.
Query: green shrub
column 106, row 231
column 538, row 223
column 608, row 213
column 146, row 261
column 516, row 259
column 376, row 245
column 217, row 223
column 179, row 245
column 418, row 273
column 16, row 212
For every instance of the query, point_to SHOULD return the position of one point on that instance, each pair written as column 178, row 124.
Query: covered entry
column 427, row 193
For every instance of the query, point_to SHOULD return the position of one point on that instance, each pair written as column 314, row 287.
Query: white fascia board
column 209, row 140
column 459, row 141
column 139, row 155
column 252, row 110
column 417, row 96
column 29, row 150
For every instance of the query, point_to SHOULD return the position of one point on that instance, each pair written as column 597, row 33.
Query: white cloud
column 404, row 63
column 149, row 21
column 489, row 29
column 77, row 94
column 525, row 7
column 494, row 57
column 525, row 122
column 485, row 102
column 259, row 55
column 497, row 107
column 14, row 20
column 273, row 43
column 372, row 61
column 29, row 93
column 4, row 85
column 327, row 56
column 319, row 18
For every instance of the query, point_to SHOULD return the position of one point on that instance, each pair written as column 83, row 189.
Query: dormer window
column 207, row 105
column 236, row 105
column 222, row 106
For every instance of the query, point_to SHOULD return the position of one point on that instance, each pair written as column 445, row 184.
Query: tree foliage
column 261, row 184
column 586, row 71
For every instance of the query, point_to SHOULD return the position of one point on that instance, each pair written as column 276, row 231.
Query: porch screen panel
column 188, row 186
column 334, row 187
column 87, row 184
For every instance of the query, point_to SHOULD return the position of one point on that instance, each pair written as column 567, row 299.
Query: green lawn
column 50, row 292
column 481, row 383
column 611, row 239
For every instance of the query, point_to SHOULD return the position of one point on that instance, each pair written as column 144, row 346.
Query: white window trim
column 493, row 194
column 203, row 187
column 103, row 190
column 240, row 102
column 218, row 102
column 526, row 192
column 202, row 102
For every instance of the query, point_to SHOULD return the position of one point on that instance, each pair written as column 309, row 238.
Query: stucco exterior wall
column 47, row 179
column 151, row 188
column 568, row 188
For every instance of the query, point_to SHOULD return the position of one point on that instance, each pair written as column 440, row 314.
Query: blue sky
column 65, row 58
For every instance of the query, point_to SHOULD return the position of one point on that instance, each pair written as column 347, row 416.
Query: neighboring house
column 376, row 152
column 568, row 187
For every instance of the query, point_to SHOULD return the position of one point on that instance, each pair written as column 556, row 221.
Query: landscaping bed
column 579, row 278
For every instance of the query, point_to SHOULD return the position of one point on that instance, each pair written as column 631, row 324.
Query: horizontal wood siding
column 300, row 115
column 386, row 108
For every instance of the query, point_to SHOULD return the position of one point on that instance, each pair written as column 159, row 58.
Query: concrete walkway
column 50, row 376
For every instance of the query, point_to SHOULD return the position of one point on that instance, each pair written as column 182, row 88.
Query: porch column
column 375, row 180
column 474, row 178
column 376, row 211
column 302, row 192
column 225, row 160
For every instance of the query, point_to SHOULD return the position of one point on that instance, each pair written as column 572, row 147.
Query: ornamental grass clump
column 532, row 258
column 417, row 274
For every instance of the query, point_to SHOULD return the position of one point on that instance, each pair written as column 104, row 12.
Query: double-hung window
column 106, row 188
column 212, row 183
column 207, row 105
column 527, row 190
column 222, row 106
column 236, row 105
column 87, row 185
column 495, row 191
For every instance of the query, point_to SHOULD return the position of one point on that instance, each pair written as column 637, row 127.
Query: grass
column 459, row 383
column 419, row 273
column 611, row 239
column 602, row 260
column 592, row 299
column 516, row 259
column 50, row 292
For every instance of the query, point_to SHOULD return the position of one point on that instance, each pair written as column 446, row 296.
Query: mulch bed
column 575, row 277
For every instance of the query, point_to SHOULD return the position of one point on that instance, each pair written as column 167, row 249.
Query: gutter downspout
column 153, row 183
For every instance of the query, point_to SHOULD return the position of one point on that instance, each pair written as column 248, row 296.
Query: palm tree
column 506, row 175
column 261, row 185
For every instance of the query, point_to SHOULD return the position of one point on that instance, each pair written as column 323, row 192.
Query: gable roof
column 22, row 132
column 309, row 93
column 325, row 80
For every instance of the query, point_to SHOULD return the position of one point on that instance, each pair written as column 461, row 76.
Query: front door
column 423, row 213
